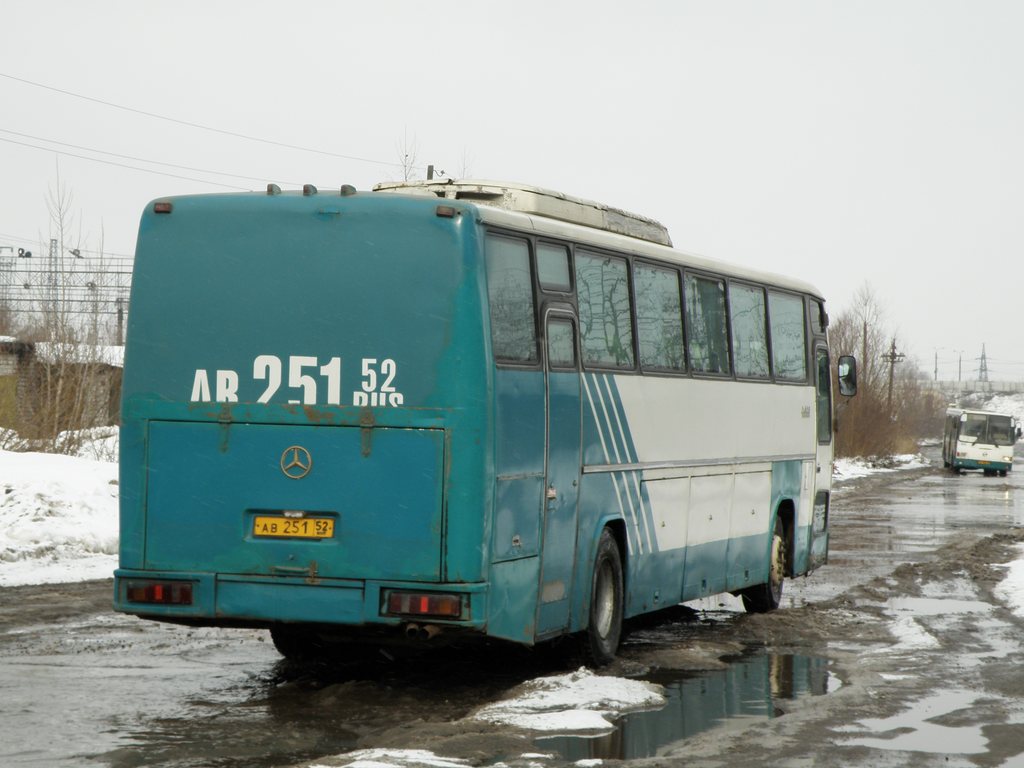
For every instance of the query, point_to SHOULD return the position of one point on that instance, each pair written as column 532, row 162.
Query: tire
column 766, row 597
column 604, row 627
column 297, row 644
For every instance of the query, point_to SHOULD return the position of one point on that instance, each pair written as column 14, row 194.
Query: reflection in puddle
column 747, row 688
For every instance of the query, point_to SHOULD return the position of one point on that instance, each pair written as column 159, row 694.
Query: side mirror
column 848, row 375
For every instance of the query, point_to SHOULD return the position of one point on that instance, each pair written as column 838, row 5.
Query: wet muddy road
column 901, row 651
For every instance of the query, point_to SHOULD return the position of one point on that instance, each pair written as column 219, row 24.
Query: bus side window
column 510, row 290
column 659, row 318
column 707, row 335
column 553, row 267
column 749, row 331
column 824, row 400
column 789, row 340
column 605, row 311
column 561, row 349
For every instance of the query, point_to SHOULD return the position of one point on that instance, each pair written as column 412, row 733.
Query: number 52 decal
column 305, row 377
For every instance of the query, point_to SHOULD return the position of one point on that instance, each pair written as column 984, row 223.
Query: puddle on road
column 919, row 728
column 747, row 688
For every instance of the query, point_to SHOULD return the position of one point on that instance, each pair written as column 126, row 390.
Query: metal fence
column 972, row 386
column 87, row 291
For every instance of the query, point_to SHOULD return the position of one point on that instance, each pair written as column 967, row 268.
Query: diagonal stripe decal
column 617, row 448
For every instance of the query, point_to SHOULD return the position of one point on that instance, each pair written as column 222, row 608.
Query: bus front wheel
column 766, row 597
column 604, row 628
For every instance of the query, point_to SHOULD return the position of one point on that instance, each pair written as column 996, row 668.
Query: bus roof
column 541, row 202
column 519, row 206
column 955, row 410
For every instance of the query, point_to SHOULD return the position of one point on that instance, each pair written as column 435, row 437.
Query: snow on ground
column 58, row 523
column 579, row 702
column 58, row 515
column 1012, row 405
column 572, row 703
column 848, row 469
column 1011, row 589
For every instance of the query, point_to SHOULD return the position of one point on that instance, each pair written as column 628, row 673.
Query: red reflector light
column 163, row 207
column 425, row 604
column 159, row 592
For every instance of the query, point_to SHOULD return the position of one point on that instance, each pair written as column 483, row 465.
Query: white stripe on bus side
column 607, row 457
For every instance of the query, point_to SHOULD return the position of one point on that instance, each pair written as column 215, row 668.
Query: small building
column 47, row 387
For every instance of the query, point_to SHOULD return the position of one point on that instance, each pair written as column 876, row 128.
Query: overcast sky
column 847, row 143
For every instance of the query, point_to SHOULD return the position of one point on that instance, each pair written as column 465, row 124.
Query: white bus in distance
column 977, row 439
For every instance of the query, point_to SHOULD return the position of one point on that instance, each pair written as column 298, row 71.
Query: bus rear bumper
column 254, row 601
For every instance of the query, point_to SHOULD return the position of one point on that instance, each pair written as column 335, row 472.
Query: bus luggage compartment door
column 281, row 500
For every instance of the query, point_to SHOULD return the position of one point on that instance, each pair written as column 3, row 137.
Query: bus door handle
column 552, row 494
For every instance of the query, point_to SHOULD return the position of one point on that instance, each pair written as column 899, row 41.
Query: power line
column 124, row 165
column 199, row 126
column 141, row 159
column 38, row 240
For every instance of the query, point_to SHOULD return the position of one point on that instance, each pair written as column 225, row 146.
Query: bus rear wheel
column 298, row 644
column 766, row 597
column 604, row 628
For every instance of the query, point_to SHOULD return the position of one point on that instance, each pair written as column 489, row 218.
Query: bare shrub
column 877, row 422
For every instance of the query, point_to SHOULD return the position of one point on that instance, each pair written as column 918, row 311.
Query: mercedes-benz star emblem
column 296, row 462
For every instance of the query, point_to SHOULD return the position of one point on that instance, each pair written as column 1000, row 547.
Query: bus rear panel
column 296, row 434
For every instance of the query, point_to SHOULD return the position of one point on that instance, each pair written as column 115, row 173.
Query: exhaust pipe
column 422, row 632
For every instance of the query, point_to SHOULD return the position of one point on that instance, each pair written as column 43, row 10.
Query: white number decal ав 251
column 304, row 385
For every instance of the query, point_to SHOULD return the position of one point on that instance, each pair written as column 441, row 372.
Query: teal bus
column 439, row 410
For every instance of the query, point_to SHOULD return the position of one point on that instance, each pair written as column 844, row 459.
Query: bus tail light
column 424, row 604
column 159, row 592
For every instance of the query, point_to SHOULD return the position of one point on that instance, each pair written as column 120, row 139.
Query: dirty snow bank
column 579, row 702
column 848, row 469
column 1011, row 589
column 58, row 517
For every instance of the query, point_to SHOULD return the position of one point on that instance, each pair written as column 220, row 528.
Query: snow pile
column 58, row 518
column 1009, row 404
column 848, row 469
column 571, row 703
column 574, row 703
column 1011, row 589
column 396, row 758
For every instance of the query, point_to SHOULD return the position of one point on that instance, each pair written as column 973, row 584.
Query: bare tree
column 407, row 156
column 466, row 166
column 865, row 424
column 62, row 383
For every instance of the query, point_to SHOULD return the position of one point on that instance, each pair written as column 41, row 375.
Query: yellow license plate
column 274, row 526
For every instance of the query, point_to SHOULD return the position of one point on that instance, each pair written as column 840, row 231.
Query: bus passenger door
column 562, row 453
column 823, row 458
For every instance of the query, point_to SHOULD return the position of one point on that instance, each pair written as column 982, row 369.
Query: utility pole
column 892, row 357
column 864, row 352
column 51, row 303
column 983, row 366
column 120, row 321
